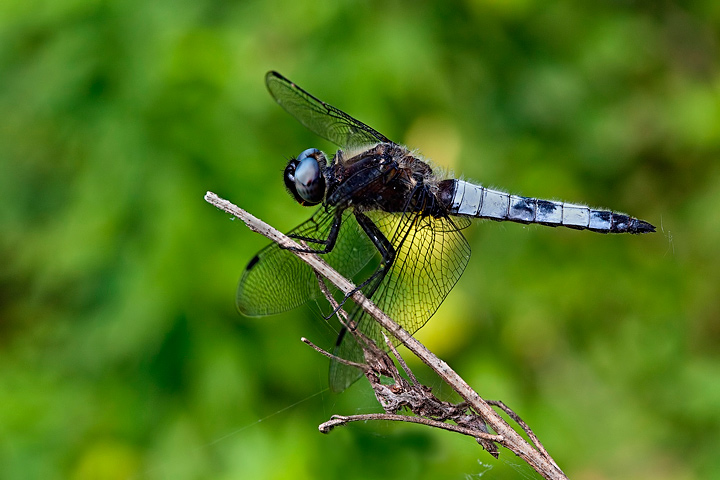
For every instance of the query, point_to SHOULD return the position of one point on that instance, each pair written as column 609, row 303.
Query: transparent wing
column 319, row 117
column 431, row 255
column 276, row 280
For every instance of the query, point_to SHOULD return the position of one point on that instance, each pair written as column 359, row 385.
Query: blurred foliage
column 121, row 352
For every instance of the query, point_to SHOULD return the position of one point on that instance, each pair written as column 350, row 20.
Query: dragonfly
column 384, row 212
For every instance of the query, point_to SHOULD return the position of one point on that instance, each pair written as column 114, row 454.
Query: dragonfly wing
column 319, row 117
column 431, row 255
column 276, row 280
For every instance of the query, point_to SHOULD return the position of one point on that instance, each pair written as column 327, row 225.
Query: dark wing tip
column 252, row 262
column 275, row 75
column 272, row 77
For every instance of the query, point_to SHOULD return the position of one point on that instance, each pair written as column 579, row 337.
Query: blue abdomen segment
column 480, row 202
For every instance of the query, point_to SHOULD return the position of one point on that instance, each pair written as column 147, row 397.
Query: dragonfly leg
column 387, row 251
column 329, row 242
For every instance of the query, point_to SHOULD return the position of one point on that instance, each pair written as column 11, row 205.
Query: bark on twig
column 536, row 456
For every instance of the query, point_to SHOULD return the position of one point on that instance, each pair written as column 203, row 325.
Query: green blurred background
column 121, row 353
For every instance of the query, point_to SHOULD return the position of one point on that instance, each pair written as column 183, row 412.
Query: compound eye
column 310, row 152
column 309, row 179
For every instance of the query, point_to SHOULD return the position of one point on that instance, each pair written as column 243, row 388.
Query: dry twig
column 535, row 455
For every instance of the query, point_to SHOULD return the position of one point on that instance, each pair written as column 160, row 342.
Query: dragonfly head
column 305, row 177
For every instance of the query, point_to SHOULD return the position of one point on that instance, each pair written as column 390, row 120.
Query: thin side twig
column 526, row 428
column 350, row 363
column 400, row 359
column 339, row 420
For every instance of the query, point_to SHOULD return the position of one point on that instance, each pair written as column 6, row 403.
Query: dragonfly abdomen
column 481, row 202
